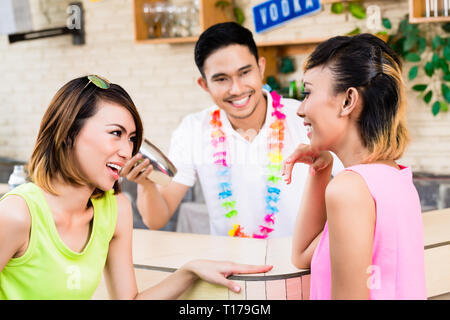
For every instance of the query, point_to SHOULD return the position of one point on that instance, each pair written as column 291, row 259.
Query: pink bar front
column 276, row 289
column 294, row 289
column 306, row 282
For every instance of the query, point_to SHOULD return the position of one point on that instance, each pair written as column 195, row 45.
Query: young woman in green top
column 71, row 223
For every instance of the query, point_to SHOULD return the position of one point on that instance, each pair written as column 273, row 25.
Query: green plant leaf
column 357, row 10
column 447, row 77
column 443, row 65
column 435, row 60
column 354, row 32
column 413, row 73
column 420, row 87
column 445, row 92
column 428, row 96
column 412, row 57
column 403, row 25
column 337, row 7
column 410, row 29
column 287, row 65
column 414, row 29
column 399, row 47
column 222, row 4
column 409, row 43
column 436, row 43
column 422, row 45
column 239, row 15
column 444, row 106
column 436, row 108
column 429, row 69
column 446, row 27
column 387, row 23
column 447, row 52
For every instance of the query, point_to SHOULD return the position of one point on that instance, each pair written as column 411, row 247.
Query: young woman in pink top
column 361, row 232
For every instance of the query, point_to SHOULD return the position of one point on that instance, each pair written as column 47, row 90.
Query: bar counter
column 157, row 253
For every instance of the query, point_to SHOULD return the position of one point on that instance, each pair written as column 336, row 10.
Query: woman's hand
column 137, row 173
column 218, row 271
column 304, row 153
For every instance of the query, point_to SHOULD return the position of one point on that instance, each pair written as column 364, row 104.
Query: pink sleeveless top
column 398, row 268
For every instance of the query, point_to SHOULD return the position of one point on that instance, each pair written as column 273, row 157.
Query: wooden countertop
column 167, row 251
column 436, row 228
column 157, row 253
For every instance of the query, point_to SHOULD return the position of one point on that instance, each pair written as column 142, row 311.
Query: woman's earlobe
column 344, row 108
column 350, row 102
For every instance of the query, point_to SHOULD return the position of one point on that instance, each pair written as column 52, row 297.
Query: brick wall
column 161, row 78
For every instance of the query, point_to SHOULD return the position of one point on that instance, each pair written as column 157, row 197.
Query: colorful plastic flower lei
column 275, row 147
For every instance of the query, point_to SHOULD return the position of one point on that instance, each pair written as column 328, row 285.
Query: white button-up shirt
column 191, row 152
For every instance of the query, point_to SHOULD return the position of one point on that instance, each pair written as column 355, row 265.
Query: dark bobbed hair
column 368, row 64
column 219, row 36
column 70, row 108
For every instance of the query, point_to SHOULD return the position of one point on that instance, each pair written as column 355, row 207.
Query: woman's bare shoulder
column 348, row 189
column 15, row 226
column 14, row 213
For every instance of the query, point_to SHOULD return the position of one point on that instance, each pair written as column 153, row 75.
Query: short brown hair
column 68, row 111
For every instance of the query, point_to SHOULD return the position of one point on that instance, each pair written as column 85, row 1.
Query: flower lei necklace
column 275, row 146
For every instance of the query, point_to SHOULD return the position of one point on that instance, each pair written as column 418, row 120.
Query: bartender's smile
column 240, row 101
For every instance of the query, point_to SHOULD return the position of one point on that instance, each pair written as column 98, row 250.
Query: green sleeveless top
column 49, row 269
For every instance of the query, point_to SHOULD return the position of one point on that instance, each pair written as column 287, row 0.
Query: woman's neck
column 353, row 152
column 70, row 199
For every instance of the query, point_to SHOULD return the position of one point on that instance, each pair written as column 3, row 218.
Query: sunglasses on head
column 98, row 81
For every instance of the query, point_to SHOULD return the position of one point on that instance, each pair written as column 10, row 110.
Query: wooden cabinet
column 271, row 51
column 209, row 14
column 418, row 11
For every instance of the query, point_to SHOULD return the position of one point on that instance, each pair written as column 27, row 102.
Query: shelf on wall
column 417, row 12
column 292, row 47
column 272, row 50
column 209, row 14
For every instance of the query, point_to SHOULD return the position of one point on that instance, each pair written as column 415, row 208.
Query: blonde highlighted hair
column 368, row 64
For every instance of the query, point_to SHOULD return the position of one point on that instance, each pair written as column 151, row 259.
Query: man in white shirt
column 233, row 139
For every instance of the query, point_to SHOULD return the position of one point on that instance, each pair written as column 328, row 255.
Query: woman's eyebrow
column 121, row 128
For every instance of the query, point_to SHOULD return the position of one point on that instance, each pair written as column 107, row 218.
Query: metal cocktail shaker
column 163, row 169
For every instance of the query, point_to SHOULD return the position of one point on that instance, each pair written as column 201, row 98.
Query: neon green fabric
column 49, row 269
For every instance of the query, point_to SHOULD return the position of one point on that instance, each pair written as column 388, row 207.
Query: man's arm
column 156, row 204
